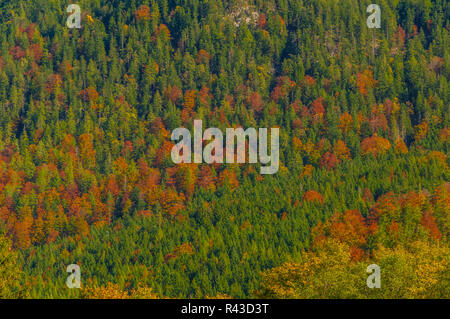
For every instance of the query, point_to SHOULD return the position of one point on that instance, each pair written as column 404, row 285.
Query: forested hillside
column 86, row 175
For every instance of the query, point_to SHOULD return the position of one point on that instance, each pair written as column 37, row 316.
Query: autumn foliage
column 375, row 145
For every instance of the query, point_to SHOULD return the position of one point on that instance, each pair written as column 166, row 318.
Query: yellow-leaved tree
column 10, row 272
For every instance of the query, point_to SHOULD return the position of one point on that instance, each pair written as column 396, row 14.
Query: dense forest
column 86, row 175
